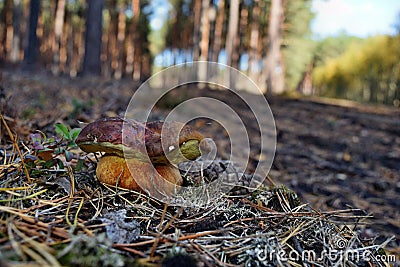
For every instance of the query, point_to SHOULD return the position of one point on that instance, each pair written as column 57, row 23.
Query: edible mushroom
column 137, row 166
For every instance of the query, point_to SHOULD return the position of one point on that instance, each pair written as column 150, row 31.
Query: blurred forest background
column 270, row 40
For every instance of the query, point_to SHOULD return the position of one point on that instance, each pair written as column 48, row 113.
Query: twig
column 153, row 249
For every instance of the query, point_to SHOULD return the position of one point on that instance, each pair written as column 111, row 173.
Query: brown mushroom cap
column 105, row 135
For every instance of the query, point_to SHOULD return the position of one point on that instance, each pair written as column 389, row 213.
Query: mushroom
column 137, row 166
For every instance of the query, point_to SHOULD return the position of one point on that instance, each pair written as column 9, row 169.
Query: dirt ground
column 334, row 154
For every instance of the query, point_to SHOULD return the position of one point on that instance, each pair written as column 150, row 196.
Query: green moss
column 92, row 251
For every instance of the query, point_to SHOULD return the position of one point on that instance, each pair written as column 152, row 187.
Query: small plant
column 48, row 148
column 68, row 135
column 42, row 145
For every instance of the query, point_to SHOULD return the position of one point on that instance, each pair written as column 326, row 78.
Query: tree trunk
column 136, row 46
column 219, row 26
column 129, row 54
column 120, row 41
column 239, row 42
column 205, row 38
column 196, row 29
column 111, row 50
column 77, row 51
column 94, row 19
column 254, row 37
column 231, row 54
column 7, row 34
column 32, row 48
column 305, row 85
column 273, row 65
column 69, row 42
column 65, row 37
column 58, row 31
column 205, row 30
column 17, row 17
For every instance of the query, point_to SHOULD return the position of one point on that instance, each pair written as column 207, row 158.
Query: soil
column 334, row 154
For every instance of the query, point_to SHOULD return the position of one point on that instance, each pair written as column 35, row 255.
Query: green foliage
column 68, row 134
column 297, row 44
column 48, row 148
column 332, row 47
column 41, row 142
column 367, row 71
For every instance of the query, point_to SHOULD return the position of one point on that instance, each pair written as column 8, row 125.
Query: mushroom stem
column 160, row 179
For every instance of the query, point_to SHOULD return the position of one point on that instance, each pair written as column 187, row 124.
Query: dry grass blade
column 15, row 144
column 24, row 198
column 41, row 251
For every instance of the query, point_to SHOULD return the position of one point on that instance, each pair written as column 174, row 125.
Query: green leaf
column 48, row 164
column 74, row 134
column 59, row 150
column 44, row 137
column 62, row 130
column 60, row 164
column 71, row 144
column 79, row 165
column 68, row 156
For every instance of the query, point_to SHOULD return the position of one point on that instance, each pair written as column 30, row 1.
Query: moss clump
column 92, row 251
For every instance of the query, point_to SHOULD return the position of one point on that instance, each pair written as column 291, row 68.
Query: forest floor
column 333, row 154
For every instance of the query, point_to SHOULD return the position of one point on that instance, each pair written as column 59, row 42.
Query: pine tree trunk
column 130, row 50
column 262, row 46
column 17, row 16
column 137, row 51
column 94, row 18
column 7, row 34
column 196, row 29
column 77, row 50
column 231, row 54
column 205, row 30
column 112, row 54
column 129, row 53
column 254, row 37
column 69, row 42
column 24, row 29
column 273, row 64
column 137, row 61
column 32, row 48
column 205, row 39
column 58, row 31
column 219, row 26
column 305, row 85
column 64, row 44
column 120, row 41
column 105, row 46
column 239, row 42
